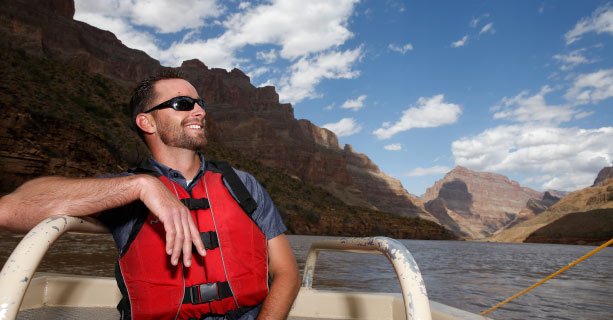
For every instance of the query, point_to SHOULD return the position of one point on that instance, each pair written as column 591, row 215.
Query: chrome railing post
column 416, row 303
column 19, row 268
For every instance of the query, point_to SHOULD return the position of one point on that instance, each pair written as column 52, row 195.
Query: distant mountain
column 64, row 95
column 584, row 216
column 604, row 174
column 534, row 207
column 477, row 204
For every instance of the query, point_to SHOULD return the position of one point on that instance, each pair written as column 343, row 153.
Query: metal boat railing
column 20, row 266
column 412, row 286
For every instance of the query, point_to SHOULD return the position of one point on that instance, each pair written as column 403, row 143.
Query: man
column 156, row 233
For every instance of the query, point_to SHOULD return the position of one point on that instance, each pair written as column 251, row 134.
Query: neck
column 185, row 161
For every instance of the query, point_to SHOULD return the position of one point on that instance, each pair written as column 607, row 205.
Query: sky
column 522, row 88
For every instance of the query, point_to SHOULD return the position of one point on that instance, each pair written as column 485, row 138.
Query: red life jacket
column 233, row 276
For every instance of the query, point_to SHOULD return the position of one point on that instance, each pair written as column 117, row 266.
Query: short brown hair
column 144, row 93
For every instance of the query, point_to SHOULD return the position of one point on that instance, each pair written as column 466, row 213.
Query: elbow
column 290, row 279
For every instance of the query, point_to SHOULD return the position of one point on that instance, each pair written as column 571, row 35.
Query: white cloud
column 534, row 109
column 267, row 56
column 563, row 158
column 429, row 112
column 401, row 49
column 167, row 16
column 436, row 170
column 306, row 73
column 300, row 28
column 257, row 72
column 591, row 87
column 572, row 59
column 308, row 35
column 393, row 147
column 475, row 22
column 213, row 52
column 488, row 28
column 164, row 16
column 122, row 17
column 601, row 21
column 460, row 43
column 345, row 127
column 354, row 104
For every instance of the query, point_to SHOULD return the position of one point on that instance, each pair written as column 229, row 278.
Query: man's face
column 179, row 129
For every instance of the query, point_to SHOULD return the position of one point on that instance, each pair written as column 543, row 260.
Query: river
column 469, row 275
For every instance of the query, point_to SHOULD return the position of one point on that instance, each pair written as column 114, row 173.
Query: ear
column 146, row 123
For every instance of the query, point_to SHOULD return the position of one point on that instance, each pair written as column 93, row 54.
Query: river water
column 469, row 275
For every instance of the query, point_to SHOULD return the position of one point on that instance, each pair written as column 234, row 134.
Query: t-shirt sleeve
column 266, row 215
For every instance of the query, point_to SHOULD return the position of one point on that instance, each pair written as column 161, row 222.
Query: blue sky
column 521, row 88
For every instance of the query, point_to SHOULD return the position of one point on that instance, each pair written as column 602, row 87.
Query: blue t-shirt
column 120, row 221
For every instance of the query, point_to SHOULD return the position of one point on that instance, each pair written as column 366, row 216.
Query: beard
column 178, row 136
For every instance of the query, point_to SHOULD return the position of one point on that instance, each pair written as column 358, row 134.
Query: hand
column 181, row 231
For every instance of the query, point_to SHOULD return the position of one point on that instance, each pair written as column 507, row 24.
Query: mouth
column 194, row 126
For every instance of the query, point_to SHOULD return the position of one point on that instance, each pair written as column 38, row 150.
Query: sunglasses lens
column 200, row 103
column 183, row 104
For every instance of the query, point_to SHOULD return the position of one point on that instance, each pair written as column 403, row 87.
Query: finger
column 187, row 240
column 196, row 239
column 178, row 240
column 170, row 236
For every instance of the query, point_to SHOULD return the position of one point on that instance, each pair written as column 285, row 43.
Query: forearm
column 285, row 280
column 282, row 294
column 44, row 197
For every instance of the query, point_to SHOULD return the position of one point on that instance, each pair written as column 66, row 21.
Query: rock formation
column 584, row 216
column 46, row 28
column 604, row 174
column 240, row 115
column 476, row 204
column 50, row 147
column 535, row 207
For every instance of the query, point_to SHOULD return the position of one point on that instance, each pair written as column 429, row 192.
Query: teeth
column 194, row 126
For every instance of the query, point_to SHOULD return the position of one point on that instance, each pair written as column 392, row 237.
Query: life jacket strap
column 196, row 204
column 245, row 200
column 209, row 239
column 230, row 315
column 207, row 292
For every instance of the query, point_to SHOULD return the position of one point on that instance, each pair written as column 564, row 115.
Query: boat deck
column 52, row 296
column 68, row 313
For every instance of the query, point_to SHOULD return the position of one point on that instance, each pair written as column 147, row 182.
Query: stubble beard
column 176, row 136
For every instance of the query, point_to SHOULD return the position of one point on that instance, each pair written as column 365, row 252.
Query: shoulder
column 248, row 180
column 266, row 214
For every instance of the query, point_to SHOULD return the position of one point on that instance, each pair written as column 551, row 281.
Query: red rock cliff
column 476, row 204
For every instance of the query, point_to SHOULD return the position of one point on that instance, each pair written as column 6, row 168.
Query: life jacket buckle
column 206, row 292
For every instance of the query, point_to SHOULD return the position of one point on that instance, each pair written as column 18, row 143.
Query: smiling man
column 171, row 205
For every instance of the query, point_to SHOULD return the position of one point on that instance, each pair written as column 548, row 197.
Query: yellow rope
column 570, row 265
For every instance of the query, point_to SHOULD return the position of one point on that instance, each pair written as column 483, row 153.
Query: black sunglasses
column 182, row 103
